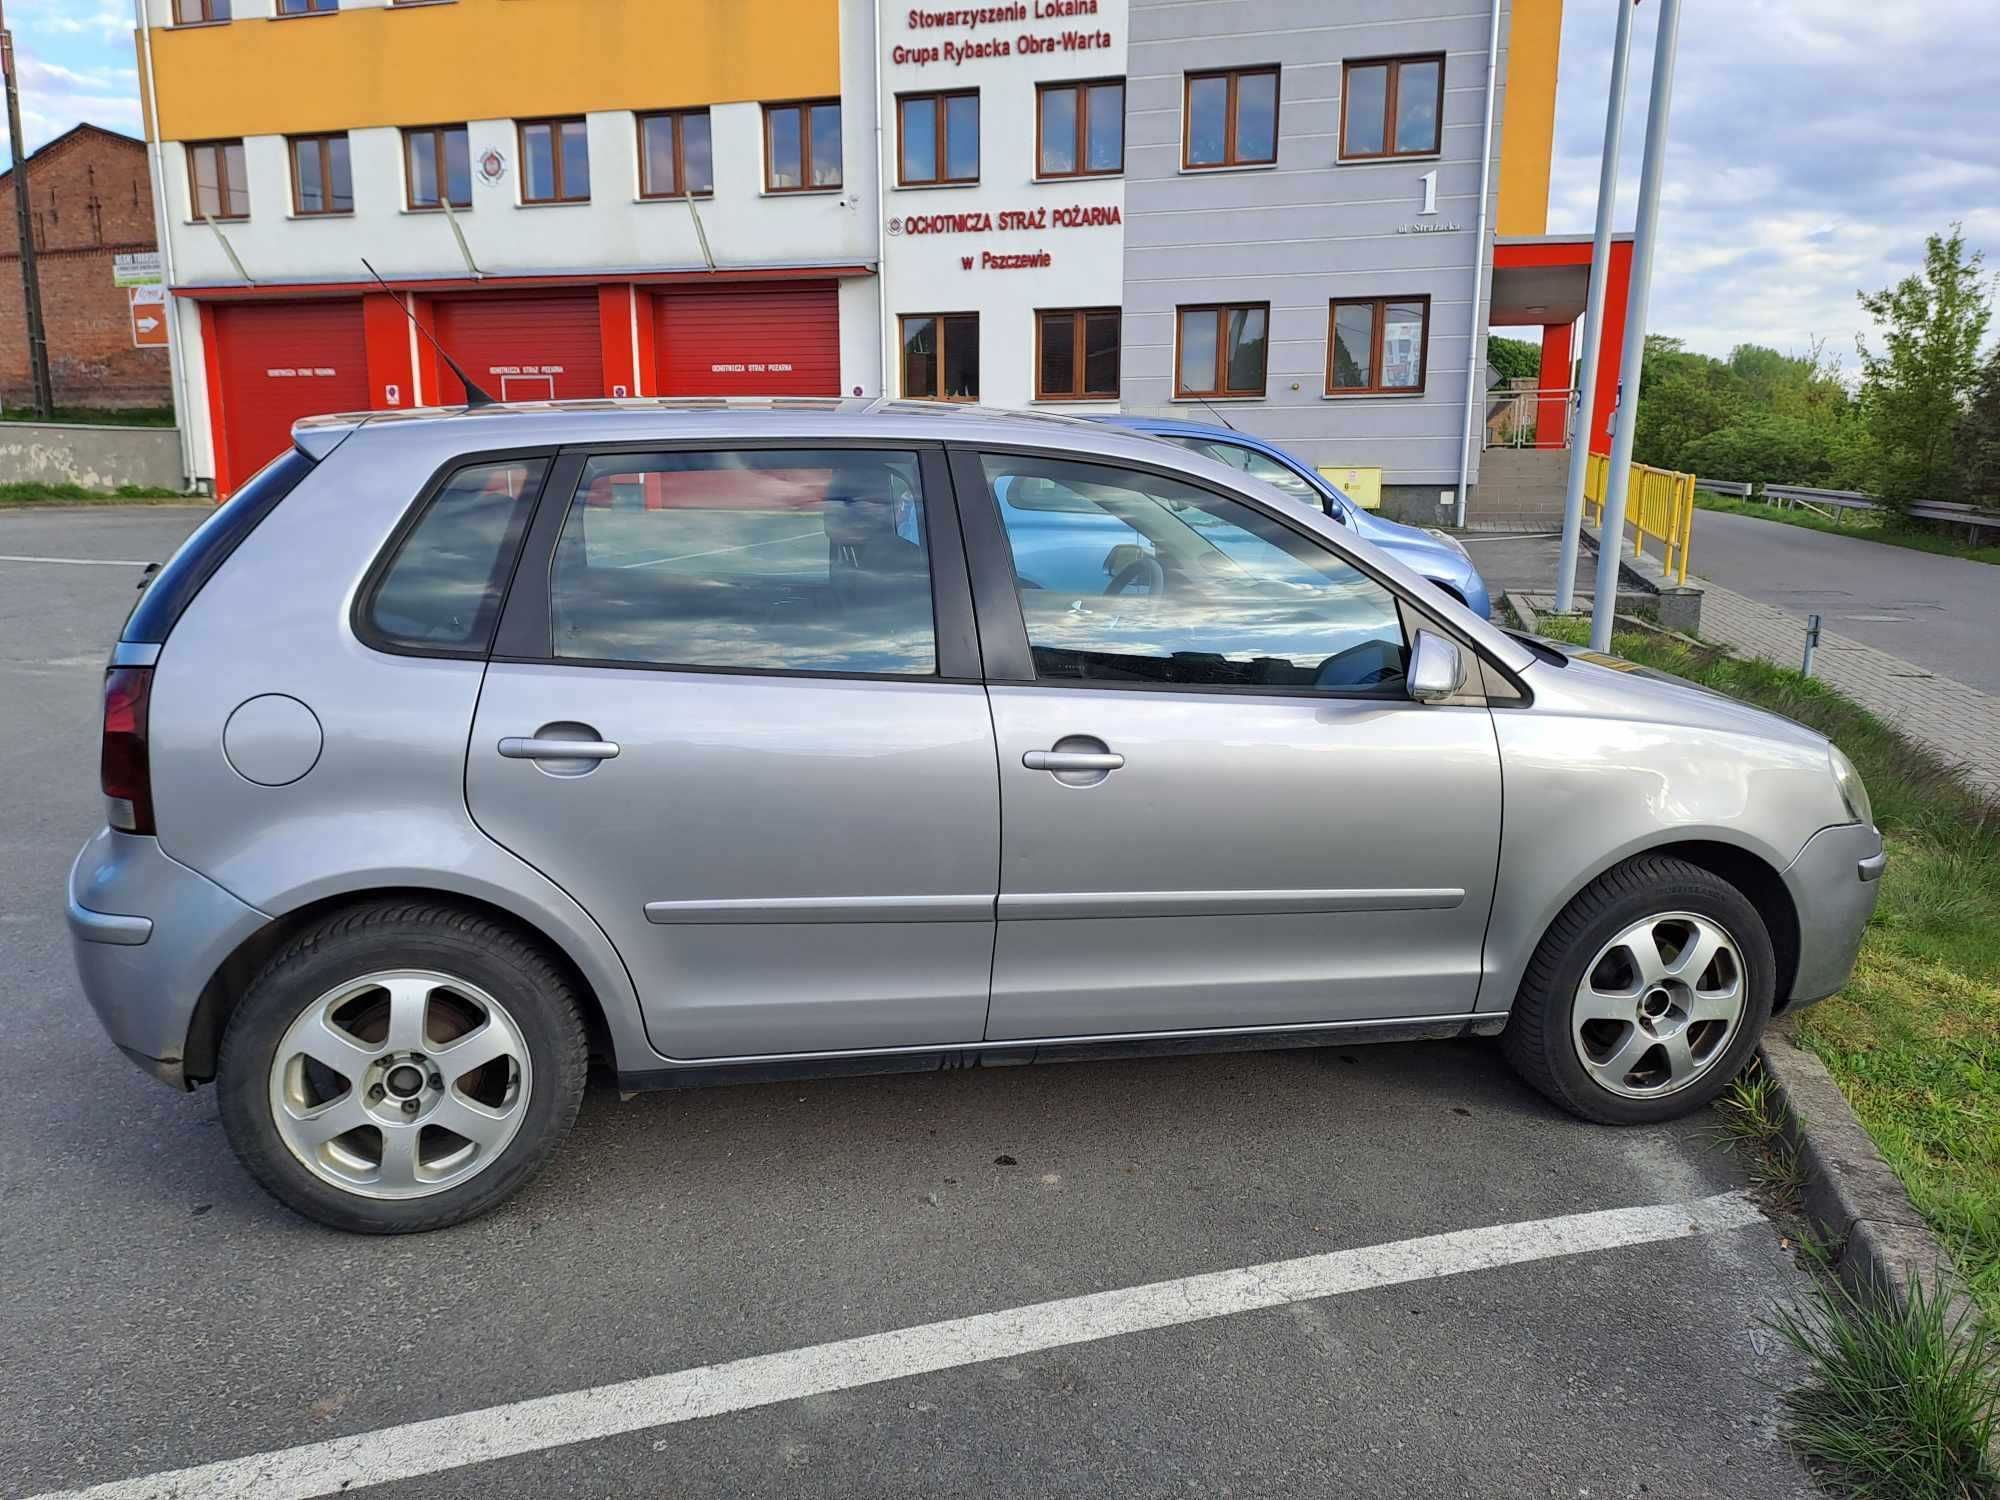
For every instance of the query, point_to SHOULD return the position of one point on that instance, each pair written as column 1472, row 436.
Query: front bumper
column 148, row 933
column 1834, row 884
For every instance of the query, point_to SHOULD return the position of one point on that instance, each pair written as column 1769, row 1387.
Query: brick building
column 91, row 198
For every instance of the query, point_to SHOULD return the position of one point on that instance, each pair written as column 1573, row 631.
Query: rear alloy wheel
column 401, row 1067
column 1646, row 996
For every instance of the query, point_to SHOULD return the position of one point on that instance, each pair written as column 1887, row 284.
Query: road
column 165, row 1313
column 1942, row 613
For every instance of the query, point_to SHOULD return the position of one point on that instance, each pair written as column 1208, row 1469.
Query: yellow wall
column 489, row 59
column 1527, row 135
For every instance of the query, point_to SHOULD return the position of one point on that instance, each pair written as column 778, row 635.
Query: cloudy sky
column 1814, row 144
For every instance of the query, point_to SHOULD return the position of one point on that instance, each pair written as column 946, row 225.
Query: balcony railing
column 1530, row 416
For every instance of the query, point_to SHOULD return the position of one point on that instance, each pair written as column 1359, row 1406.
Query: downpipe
column 1475, row 392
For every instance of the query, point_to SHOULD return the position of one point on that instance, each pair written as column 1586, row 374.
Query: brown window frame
column 324, row 140
column 437, row 135
column 676, row 116
column 1229, row 157
column 902, row 357
column 805, row 107
column 555, row 124
column 1221, row 389
column 1079, row 322
column 1380, row 306
column 204, row 12
column 307, row 8
column 938, row 99
column 222, row 183
column 1391, row 95
column 1081, row 87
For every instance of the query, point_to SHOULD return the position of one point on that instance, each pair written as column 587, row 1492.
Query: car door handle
column 529, row 747
column 1071, row 760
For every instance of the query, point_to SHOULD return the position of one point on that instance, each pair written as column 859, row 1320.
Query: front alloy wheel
column 1659, row 1005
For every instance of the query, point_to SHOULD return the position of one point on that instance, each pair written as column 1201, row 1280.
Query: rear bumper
column 148, row 933
column 1834, row 883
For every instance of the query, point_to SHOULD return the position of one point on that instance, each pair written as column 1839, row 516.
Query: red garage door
column 537, row 348
column 272, row 364
column 749, row 341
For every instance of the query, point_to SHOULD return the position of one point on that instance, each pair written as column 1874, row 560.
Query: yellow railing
column 1658, row 503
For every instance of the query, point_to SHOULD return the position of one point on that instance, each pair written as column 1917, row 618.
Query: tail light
column 124, row 768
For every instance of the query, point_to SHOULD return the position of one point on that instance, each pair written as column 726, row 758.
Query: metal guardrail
column 1515, row 418
column 1833, row 504
column 1658, row 503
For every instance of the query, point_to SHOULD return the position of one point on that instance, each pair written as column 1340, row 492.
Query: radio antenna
column 475, row 395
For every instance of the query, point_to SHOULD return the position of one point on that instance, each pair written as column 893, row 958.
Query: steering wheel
column 1142, row 567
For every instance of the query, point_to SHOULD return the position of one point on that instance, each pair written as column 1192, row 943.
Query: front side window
column 939, row 138
column 1129, row 577
column 1076, row 354
column 1080, row 129
column 1379, row 346
column 802, row 146
column 1257, row 465
column 1222, row 350
column 941, row 356
column 676, row 155
column 1231, row 119
column 761, row 560
column 194, row 12
column 216, row 181
column 1392, row 107
column 322, row 175
column 441, row 591
column 555, row 161
column 437, row 161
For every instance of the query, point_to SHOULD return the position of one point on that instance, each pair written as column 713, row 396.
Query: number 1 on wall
column 1430, row 182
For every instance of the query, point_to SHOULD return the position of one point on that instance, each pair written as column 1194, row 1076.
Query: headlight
column 1852, row 792
column 1450, row 541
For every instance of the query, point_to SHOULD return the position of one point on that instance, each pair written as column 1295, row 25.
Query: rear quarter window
column 439, row 590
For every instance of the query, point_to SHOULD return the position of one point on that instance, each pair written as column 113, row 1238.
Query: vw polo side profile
column 722, row 741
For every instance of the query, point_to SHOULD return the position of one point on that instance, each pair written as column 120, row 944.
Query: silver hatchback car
column 718, row 741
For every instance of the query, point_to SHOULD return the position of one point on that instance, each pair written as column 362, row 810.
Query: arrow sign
column 149, row 319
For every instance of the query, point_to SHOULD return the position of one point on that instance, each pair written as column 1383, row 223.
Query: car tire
column 1569, row 1034
column 323, row 1039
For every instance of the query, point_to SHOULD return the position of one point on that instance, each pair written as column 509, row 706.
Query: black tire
column 516, row 972
column 1538, row 1040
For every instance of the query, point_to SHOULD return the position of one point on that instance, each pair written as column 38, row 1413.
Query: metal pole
column 1645, row 233
column 1593, row 316
column 1812, row 642
column 163, row 236
column 31, row 281
column 1475, row 388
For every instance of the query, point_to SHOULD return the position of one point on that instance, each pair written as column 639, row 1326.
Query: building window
column 217, row 186
column 1231, row 119
column 941, row 356
column 1080, row 129
column 1378, row 344
column 194, row 12
column 1221, row 350
column 675, row 155
column 307, row 7
column 802, row 146
column 1391, row 107
column 938, row 138
column 555, row 161
column 438, row 163
column 1076, row 354
column 322, row 179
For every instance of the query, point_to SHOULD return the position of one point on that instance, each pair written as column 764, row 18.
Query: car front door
column 734, row 711
column 1219, row 807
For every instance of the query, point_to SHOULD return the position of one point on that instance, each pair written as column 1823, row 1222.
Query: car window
column 1187, row 587
column 442, row 589
column 758, row 560
column 1257, row 465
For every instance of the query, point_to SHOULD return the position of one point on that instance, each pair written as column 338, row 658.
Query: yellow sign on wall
column 1361, row 485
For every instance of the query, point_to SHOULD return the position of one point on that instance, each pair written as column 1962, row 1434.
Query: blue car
column 1435, row 554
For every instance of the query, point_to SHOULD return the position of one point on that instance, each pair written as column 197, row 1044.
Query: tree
column 1914, row 392
column 1978, row 444
column 1512, row 359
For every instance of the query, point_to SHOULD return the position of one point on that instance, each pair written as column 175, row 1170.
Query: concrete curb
column 1879, row 1242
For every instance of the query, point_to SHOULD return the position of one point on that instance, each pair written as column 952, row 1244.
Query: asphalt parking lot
column 1605, row 1340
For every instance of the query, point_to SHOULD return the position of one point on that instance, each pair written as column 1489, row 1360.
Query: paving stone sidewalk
column 1960, row 723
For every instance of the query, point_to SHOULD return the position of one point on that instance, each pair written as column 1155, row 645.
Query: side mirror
column 1437, row 669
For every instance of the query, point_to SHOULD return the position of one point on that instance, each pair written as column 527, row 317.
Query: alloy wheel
column 1659, row 1005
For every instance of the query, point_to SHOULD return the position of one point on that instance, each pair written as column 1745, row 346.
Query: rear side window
column 173, row 588
column 760, row 560
column 441, row 590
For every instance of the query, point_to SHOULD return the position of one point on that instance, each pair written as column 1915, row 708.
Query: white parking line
column 342, row 1465
column 76, row 562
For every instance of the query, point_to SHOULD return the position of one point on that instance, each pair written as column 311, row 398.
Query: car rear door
column 1219, row 807
column 734, row 710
